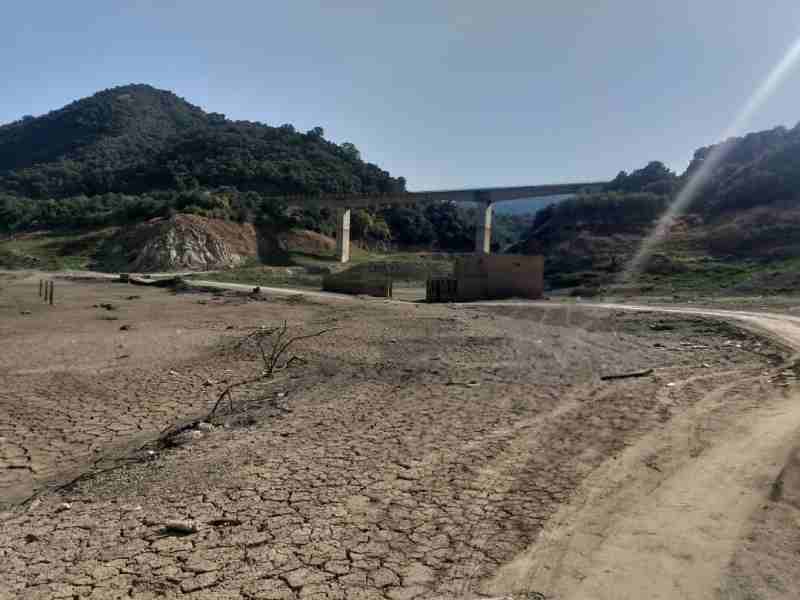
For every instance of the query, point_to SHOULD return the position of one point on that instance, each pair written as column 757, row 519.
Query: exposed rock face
column 193, row 243
column 188, row 242
column 177, row 246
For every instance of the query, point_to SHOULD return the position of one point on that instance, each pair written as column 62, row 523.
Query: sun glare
column 767, row 88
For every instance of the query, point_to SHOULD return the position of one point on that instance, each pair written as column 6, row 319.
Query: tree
column 654, row 174
column 370, row 227
column 453, row 232
column 272, row 213
column 409, row 226
column 350, row 151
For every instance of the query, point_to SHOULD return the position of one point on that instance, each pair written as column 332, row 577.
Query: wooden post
column 40, row 288
column 52, row 285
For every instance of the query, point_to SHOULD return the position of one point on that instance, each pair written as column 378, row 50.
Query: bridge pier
column 483, row 197
column 343, row 234
column 483, row 233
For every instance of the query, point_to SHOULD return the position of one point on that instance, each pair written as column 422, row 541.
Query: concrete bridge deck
column 484, row 197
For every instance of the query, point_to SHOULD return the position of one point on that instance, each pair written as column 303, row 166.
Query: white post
column 483, row 234
column 343, row 234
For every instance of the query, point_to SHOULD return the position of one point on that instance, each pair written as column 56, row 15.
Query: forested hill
column 745, row 214
column 137, row 139
column 759, row 169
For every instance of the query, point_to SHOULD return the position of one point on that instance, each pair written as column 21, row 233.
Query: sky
column 448, row 93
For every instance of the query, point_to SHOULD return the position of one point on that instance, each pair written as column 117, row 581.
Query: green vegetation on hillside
column 741, row 230
column 136, row 139
column 53, row 252
column 133, row 153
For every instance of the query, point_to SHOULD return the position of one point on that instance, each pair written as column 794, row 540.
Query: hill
column 136, row 139
column 741, row 233
column 131, row 154
column 135, row 154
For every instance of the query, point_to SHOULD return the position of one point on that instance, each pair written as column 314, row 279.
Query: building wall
column 496, row 276
column 366, row 284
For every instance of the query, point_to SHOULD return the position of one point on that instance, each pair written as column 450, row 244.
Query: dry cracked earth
column 415, row 448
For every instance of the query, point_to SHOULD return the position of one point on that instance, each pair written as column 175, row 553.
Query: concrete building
column 490, row 277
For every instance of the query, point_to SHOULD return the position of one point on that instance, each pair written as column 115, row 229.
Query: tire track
column 634, row 531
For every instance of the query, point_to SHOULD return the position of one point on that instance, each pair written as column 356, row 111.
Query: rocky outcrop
column 185, row 242
column 193, row 243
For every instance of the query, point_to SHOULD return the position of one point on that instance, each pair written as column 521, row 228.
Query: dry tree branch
column 278, row 346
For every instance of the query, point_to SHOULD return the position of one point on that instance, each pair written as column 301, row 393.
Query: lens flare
column 714, row 158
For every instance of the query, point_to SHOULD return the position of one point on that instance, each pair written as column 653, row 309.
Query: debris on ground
column 105, row 305
column 644, row 373
column 179, row 527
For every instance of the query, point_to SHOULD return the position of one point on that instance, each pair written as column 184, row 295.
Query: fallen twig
column 627, row 375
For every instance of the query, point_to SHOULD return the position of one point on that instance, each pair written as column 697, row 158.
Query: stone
column 383, row 577
column 200, row 582
column 104, row 572
column 268, row 589
column 304, row 576
column 197, row 564
column 181, row 527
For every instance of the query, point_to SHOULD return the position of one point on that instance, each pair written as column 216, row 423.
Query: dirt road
column 634, row 531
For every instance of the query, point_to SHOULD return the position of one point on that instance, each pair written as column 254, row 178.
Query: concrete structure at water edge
column 361, row 283
column 490, row 277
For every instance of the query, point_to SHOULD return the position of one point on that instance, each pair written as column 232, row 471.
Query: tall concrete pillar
column 343, row 234
column 483, row 234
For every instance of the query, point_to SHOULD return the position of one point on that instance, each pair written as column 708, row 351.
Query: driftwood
column 627, row 375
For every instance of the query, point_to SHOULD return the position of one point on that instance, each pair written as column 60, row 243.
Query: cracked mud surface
column 426, row 445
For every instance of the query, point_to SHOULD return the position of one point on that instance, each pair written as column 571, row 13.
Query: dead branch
column 272, row 345
column 227, row 391
column 627, row 375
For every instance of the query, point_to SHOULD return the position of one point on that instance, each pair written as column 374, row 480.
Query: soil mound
column 195, row 243
column 185, row 242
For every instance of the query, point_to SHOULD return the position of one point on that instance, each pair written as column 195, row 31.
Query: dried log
column 627, row 375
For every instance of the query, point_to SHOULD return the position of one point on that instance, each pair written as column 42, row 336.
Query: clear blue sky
column 449, row 94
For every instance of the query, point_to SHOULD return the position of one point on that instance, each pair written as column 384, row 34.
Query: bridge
column 485, row 198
